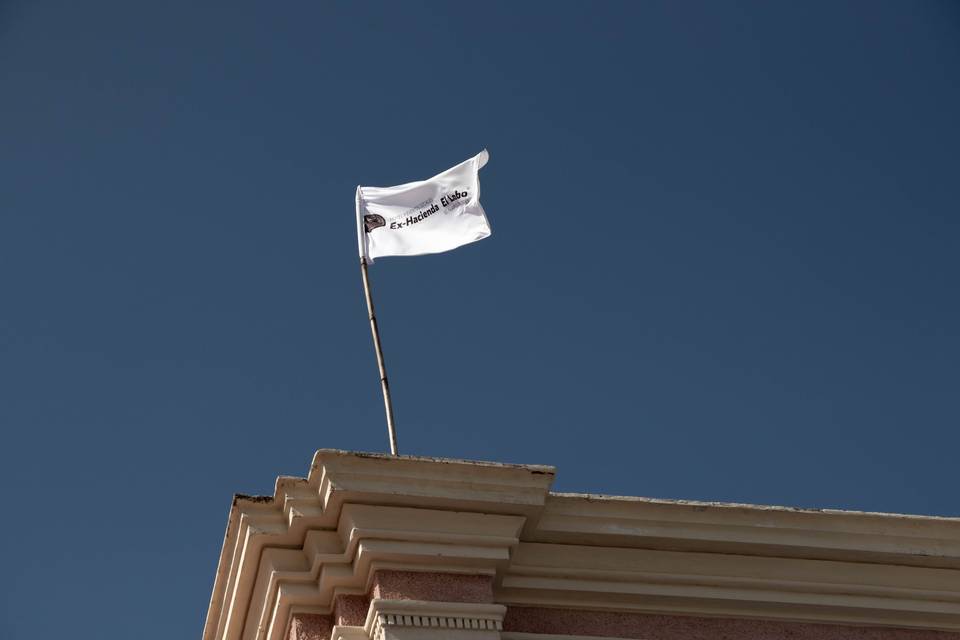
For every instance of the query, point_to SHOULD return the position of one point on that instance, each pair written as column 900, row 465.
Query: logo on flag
column 372, row 221
column 429, row 216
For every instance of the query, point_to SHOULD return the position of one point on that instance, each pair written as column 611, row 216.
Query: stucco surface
column 435, row 587
column 659, row 627
column 308, row 626
column 350, row 610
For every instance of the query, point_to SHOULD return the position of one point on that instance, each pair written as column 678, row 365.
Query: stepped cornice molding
column 355, row 514
column 370, row 539
column 314, row 516
column 717, row 527
column 723, row 584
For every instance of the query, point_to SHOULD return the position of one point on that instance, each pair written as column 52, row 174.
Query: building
column 374, row 547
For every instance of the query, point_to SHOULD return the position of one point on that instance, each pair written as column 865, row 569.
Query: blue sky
column 724, row 265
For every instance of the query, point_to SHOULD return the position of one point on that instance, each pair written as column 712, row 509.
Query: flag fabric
column 429, row 216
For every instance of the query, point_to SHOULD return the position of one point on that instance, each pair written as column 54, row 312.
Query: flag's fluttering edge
column 429, row 216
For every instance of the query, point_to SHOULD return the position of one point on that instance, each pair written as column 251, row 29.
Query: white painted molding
column 684, row 525
column 447, row 616
column 355, row 513
column 344, row 632
column 308, row 510
column 370, row 538
column 658, row 581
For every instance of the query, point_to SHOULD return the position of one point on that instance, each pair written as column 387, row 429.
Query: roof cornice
column 325, row 534
column 716, row 527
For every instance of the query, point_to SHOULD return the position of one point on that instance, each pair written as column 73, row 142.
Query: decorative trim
column 440, row 615
column 346, row 632
column 326, row 534
column 758, row 530
column 714, row 584
column 301, row 507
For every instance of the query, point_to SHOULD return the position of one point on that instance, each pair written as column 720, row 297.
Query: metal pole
column 387, row 403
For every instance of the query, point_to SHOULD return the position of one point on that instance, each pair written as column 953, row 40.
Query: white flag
column 430, row 216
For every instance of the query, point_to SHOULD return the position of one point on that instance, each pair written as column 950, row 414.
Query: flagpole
column 375, row 330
